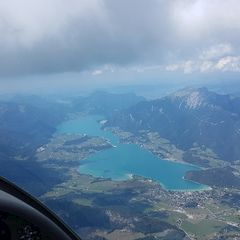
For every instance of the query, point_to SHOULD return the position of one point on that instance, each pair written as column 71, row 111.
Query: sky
column 64, row 44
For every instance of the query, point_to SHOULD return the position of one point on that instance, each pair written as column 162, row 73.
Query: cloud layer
column 52, row 36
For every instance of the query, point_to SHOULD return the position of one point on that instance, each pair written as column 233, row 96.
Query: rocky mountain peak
column 191, row 98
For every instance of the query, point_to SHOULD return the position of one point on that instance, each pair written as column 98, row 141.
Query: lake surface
column 125, row 160
column 88, row 125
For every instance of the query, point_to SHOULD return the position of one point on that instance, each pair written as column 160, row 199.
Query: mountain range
column 191, row 117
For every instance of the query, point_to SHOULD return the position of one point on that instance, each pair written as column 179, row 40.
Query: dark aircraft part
column 23, row 217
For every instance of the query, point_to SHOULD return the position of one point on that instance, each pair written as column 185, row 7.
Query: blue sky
column 79, row 43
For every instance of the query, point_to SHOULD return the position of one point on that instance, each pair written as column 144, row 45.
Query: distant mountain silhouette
column 101, row 102
column 25, row 127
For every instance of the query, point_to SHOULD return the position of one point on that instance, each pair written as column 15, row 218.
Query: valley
column 130, row 208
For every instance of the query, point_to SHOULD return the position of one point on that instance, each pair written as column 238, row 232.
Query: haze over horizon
column 49, row 46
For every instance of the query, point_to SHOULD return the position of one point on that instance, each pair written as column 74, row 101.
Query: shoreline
column 131, row 176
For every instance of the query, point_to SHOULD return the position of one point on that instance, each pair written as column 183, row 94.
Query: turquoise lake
column 125, row 160
column 87, row 125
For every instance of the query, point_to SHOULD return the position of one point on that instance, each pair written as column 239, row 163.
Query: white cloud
column 214, row 58
column 216, row 51
column 97, row 72
column 51, row 36
column 173, row 67
column 199, row 19
column 29, row 22
column 104, row 69
column 206, row 66
column 229, row 63
column 188, row 66
column 224, row 64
